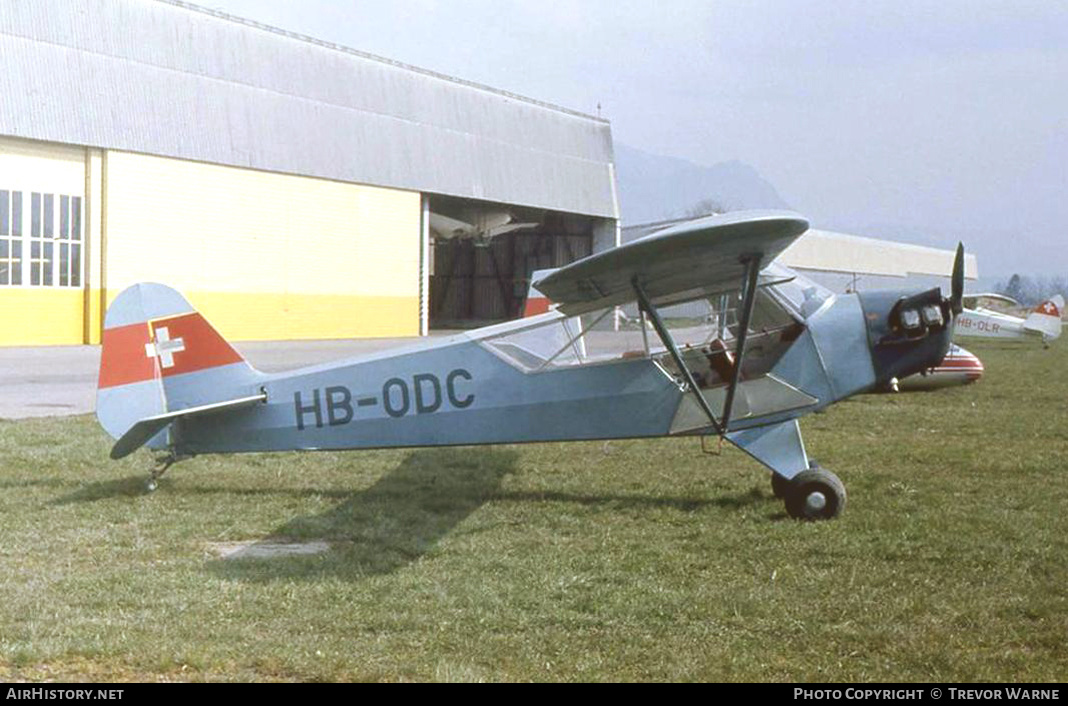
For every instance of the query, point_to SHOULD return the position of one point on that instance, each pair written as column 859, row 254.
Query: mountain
column 655, row 188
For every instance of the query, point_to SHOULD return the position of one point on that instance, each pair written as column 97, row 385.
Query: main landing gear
column 813, row 494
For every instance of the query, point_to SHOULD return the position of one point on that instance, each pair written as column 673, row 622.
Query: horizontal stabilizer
column 140, row 433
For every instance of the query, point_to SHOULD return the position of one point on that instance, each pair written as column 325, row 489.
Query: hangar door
column 42, row 243
column 483, row 256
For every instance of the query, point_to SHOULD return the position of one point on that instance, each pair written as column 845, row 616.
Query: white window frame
column 12, row 238
column 56, row 277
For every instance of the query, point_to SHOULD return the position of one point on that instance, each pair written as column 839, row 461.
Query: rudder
column 1046, row 318
column 160, row 355
column 537, row 303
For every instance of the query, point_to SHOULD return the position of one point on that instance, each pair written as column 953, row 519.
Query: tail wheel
column 815, row 494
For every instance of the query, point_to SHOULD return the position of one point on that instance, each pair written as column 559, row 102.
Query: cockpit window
column 705, row 331
column 805, row 296
column 597, row 337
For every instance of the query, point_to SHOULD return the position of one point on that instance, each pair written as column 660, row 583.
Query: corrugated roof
column 168, row 78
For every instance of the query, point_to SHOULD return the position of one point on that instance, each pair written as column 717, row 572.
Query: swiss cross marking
column 164, row 348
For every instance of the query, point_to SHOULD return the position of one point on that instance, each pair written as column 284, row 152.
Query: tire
column 815, row 494
column 780, row 485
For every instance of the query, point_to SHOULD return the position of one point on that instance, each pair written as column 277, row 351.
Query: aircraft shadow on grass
column 408, row 511
column 401, row 517
column 387, row 526
column 130, row 486
column 729, row 502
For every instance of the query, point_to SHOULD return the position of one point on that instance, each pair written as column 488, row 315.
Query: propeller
column 956, row 301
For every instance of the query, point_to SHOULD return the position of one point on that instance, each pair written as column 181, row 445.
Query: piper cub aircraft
column 980, row 321
column 775, row 350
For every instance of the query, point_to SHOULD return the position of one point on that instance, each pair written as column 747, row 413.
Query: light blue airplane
column 720, row 341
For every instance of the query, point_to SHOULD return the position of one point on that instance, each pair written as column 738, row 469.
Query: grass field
column 636, row 560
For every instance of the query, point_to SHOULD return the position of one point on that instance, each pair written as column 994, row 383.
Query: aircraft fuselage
column 462, row 390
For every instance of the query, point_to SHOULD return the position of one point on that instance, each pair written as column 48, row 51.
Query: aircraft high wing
column 725, row 343
column 678, row 263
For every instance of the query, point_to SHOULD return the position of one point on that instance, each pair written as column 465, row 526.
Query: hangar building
column 844, row 262
column 289, row 187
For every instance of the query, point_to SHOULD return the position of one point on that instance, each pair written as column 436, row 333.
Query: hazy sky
column 931, row 120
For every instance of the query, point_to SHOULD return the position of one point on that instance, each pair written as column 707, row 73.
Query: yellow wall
column 262, row 255
column 40, row 316
column 265, row 255
column 307, row 316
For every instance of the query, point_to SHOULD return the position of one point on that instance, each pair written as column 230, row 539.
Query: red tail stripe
column 201, row 346
column 120, row 363
column 164, row 347
column 1048, row 308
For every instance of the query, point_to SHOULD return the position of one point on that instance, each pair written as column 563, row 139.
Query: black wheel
column 780, row 485
column 815, row 494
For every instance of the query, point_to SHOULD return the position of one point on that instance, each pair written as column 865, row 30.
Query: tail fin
column 1046, row 318
column 537, row 303
column 161, row 356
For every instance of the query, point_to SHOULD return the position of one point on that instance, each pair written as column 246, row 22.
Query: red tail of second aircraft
column 537, row 303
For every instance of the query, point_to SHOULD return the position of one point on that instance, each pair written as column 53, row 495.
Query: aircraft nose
column 908, row 332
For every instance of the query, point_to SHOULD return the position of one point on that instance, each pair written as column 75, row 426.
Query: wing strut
column 752, row 264
column 669, row 343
